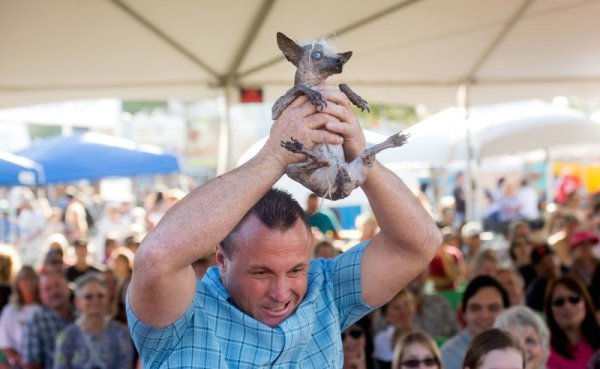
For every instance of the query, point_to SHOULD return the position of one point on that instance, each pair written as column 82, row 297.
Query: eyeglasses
column 90, row 296
column 354, row 332
column 573, row 300
column 414, row 363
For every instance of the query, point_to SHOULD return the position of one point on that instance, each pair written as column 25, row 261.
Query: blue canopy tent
column 19, row 171
column 94, row 156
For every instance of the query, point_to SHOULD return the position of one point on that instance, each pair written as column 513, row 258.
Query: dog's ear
column 346, row 56
column 291, row 50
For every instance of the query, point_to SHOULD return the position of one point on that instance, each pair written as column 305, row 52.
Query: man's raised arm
column 163, row 282
column 408, row 235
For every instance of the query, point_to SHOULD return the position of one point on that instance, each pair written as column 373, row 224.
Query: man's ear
column 221, row 259
column 291, row 50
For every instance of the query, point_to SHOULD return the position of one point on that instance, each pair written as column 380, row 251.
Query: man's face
column 54, row 292
column 547, row 268
column 482, row 309
column 513, row 286
column 266, row 273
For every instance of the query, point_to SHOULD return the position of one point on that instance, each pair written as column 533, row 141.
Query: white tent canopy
column 405, row 51
column 499, row 129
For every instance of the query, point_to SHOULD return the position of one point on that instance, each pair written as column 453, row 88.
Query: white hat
column 471, row 229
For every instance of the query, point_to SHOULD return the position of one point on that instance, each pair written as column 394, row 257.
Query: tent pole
column 463, row 103
column 224, row 129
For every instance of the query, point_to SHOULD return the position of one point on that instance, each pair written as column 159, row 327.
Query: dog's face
column 314, row 61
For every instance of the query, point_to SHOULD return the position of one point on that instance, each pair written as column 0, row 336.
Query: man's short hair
column 277, row 210
column 482, row 282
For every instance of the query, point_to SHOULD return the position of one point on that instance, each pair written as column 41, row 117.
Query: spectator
column 446, row 269
column 561, row 240
column 520, row 254
column 25, row 302
column 434, row 315
column 400, row 315
column 483, row 300
column 10, row 263
column 512, row 282
column 93, row 341
column 325, row 249
column 82, row 264
column 121, row 262
column 586, row 266
column 354, row 346
column 368, row 227
column 528, row 199
column 509, row 205
column 40, row 332
column 485, row 262
column 574, row 330
column 54, row 261
column 471, row 239
column 529, row 329
column 414, row 349
column 546, row 268
column 322, row 218
column 494, row 348
column 460, row 205
column 31, row 233
column 76, row 225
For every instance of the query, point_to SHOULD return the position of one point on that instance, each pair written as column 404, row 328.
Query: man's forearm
column 399, row 214
column 194, row 226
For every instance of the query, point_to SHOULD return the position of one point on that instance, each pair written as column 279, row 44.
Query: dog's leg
column 296, row 146
column 353, row 96
column 284, row 101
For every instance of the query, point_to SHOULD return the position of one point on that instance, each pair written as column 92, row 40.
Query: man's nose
column 279, row 289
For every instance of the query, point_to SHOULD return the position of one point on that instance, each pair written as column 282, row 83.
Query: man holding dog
column 266, row 304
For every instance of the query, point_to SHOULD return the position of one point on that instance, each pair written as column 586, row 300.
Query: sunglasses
column 414, row 363
column 90, row 296
column 354, row 332
column 573, row 300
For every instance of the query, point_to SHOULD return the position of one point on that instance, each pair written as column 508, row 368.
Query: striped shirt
column 214, row 333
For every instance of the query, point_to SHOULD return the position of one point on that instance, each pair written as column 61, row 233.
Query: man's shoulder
column 456, row 343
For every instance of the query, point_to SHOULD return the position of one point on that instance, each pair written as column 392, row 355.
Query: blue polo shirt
column 214, row 333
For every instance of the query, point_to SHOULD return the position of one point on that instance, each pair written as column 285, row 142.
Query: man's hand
column 303, row 122
column 346, row 124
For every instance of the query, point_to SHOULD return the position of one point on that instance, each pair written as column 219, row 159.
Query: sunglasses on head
column 414, row 363
column 573, row 299
column 354, row 332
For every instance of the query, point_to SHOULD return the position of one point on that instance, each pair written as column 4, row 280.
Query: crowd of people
column 65, row 265
column 534, row 302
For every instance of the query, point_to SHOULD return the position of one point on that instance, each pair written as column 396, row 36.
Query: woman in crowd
column 354, row 345
column 93, row 341
column 24, row 303
column 494, row 348
column 10, row 263
column 530, row 330
column 574, row 330
column 416, row 348
column 400, row 315
column 121, row 261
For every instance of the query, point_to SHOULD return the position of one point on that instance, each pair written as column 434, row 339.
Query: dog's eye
column 316, row 55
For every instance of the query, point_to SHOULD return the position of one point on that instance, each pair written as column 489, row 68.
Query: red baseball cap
column 582, row 236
